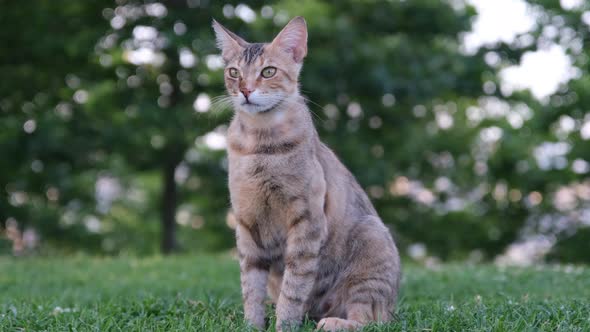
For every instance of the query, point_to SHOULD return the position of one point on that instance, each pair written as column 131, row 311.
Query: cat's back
column 345, row 199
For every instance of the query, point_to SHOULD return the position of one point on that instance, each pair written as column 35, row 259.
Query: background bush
column 109, row 142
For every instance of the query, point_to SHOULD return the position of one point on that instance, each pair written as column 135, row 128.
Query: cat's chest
column 264, row 183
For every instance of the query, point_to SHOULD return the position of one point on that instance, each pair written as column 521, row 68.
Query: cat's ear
column 293, row 39
column 228, row 42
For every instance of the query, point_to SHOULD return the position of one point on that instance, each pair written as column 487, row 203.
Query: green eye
column 268, row 72
column 233, row 72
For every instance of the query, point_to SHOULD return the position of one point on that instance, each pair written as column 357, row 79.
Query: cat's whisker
column 311, row 110
column 221, row 103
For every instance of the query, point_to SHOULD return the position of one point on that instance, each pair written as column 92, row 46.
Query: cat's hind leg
column 369, row 292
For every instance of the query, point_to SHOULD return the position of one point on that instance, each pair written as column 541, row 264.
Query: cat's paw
column 333, row 324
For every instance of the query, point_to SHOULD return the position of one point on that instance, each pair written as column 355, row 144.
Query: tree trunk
column 169, row 201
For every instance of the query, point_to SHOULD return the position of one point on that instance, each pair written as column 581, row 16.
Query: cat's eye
column 233, row 72
column 268, row 72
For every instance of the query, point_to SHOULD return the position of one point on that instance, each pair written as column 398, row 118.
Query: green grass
column 201, row 293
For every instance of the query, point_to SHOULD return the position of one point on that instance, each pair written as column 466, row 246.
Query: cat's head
column 260, row 76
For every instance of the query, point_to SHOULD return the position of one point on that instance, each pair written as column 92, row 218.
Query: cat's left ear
column 293, row 39
column 228, row 42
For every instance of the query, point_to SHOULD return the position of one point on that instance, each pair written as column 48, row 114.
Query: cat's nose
column 246, row 92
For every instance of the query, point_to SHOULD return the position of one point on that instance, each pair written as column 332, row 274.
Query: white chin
column 254, row 108
column 256, row 105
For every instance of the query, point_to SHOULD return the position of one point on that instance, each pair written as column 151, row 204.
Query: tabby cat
column 307, row 234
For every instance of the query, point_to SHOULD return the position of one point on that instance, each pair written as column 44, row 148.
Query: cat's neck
column 290, row 113
column 289, row 119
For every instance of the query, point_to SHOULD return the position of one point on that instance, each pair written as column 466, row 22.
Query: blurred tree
column 120, row 95
column 41, row 152
column 547, row 159
column 154, row 56
column 414, row 59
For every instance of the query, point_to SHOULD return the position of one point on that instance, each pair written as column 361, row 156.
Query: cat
column 307, row 234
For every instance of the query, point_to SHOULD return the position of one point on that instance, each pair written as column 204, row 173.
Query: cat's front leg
column 254, row 269
column 304, row 240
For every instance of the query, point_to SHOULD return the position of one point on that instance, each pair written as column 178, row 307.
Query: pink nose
column 246, row 92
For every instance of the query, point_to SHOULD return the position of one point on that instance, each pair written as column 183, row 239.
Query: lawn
column 201, row 293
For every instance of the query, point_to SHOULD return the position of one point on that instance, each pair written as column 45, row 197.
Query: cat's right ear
column 228, row 42
column 293, row 39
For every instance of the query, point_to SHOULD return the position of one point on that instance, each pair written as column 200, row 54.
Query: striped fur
column 307, row 234
column 252, row 52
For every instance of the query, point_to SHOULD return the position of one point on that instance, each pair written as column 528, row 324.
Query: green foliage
column 391, row 89
column 569, row 249
column 202, row 293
